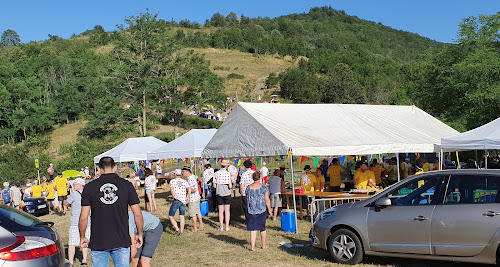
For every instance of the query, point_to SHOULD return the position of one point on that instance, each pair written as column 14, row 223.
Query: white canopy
column 481, row 138
column 132, row 149
column 261, row 129
column 189, row 145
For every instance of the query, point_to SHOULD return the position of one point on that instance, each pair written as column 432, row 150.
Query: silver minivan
column 450, row 215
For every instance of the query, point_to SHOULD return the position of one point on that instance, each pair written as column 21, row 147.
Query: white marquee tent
column 189, row 145
column 132, row 149
column 481, row 138
column 261, row 129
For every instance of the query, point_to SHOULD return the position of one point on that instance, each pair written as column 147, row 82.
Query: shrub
column 235, row 76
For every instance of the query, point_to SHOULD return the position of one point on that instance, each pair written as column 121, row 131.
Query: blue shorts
column 177, row 205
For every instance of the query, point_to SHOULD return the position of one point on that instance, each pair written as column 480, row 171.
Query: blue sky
column 33, row 20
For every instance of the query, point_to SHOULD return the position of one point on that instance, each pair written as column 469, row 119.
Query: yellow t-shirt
column 51, row 192
column 319, row 180
column 334, row 172
column 60, row 184
column 308, row 187
column 36, row 190
column 426, row 166
column 378, row 173
column 361, row 179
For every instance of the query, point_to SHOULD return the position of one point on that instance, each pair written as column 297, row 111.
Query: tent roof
column 189, row 145
column 483, row 137
column 132, row 149
column 261, row 129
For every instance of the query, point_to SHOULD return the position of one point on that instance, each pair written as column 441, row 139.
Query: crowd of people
column 119, row 227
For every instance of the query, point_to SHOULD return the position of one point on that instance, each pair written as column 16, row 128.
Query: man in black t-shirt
column 108, row 199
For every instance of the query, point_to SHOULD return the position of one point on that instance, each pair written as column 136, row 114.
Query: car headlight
column 322, row 215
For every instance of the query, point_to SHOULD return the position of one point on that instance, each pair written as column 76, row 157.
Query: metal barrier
column 326, row 203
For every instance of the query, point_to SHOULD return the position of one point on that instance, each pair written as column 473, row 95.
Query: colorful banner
column 281, row 157
column 237, row 162
column 187, row 160
column 302, row 159
column 178, row 161
column 406, row 154
column 316, row 160
column 342, row 160
column 267, row 159
column 257, row 161
column 171, row 161
column 289, row 154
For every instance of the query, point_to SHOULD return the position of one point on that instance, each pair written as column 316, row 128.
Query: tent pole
column 399, row 171
column 293, row 194
column 486, row 159
column 441, row 154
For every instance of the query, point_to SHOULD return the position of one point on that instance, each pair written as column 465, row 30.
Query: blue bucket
column 288, row 221
column 204, row 208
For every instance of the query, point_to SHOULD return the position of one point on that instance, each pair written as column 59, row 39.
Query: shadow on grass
column 229, row 239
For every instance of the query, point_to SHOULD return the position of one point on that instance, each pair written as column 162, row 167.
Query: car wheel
column 345, row 247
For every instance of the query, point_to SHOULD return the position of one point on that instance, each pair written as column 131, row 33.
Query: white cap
column 178, row 172
column 263, row 164
column 6, row 184
column 407, row 158
column 79, row 181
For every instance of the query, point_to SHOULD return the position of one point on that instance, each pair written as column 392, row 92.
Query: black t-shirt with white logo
column 109, row 197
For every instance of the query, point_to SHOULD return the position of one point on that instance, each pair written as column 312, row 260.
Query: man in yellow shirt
column 36, row 190
column 61, row 186
column 334, row 172
column 426, row 166
column 364, row 178
column 308, row 179
column 51, row 194
column 378, row 170
column 320, row 180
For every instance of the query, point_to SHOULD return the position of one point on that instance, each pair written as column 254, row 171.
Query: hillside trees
column 461, row 83
column 10, row 38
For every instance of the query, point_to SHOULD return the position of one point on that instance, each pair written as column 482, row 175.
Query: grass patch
column 213, row 248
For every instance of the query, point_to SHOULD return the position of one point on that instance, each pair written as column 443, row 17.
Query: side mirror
column 383, row 202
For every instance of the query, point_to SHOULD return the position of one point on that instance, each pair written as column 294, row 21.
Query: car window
column 415, row 192
column 14, row 220
column 472, row 189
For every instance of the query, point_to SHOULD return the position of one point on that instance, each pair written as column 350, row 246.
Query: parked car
column 27, row 241
column 36, row 206
column 449, row 215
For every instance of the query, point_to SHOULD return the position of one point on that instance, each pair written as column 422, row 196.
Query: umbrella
column 71, row 173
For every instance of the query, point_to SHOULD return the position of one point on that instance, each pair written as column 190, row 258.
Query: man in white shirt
column 264, row 172
column 158, row 169
column 208, row 175
column 246, row 180
column 194, row 199
column 223, row 185
column 234, row 175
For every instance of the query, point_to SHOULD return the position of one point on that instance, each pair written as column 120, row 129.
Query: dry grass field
column 213, row 248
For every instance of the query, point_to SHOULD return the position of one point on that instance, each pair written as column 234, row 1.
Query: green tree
column 10, row 38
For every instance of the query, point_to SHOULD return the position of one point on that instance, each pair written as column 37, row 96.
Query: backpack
column 6, row 196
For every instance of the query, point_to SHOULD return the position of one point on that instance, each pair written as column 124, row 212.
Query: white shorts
column 74, row 235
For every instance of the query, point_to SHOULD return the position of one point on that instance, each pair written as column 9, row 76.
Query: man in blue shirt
column 152, row 231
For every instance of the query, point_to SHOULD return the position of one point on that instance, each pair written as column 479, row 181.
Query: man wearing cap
column 180, row 190
column 75, row 201
column 109, row 197
column 245, row 181
column 364, row 178
column 264, row 172
column 222, row 184
column 308, row 179
column 194, row 199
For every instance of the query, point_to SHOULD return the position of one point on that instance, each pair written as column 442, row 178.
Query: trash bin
column 204, row 208
column 288, row 221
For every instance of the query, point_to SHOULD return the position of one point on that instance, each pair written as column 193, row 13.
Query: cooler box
column 204, row 208
column 288, row 221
